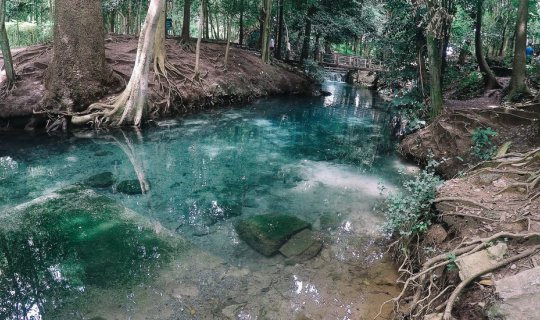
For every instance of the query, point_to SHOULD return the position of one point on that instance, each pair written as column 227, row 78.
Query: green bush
column 22, row 34
column 314, row 71
column 409, row 212
column 470, row 85
column 482, row 146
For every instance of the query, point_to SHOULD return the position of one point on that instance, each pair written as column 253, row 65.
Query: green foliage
column 470, row 83
column 482, row 146
column 412, row 108
column 314, row 71
column 22, row 34
column 452, row 265
column 409, row 212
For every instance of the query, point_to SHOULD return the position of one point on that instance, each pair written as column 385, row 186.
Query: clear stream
column 319, row 159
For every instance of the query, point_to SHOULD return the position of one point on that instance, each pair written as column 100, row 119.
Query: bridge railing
column 350, row 62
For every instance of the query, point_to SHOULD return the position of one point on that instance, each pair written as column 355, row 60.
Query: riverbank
column 485, row 237
column 244, row 78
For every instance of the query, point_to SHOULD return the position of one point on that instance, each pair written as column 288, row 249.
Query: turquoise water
column 319, row 159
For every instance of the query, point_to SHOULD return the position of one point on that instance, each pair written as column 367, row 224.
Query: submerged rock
column 330, row 221
column 129, row 187
column 302, row 246
column 88, row 239
column 267, row 233
column 101, row 180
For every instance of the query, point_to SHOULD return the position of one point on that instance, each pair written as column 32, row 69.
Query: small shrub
column 409, row 212
column 471, row 85
column 482, row 146
column 314, row 71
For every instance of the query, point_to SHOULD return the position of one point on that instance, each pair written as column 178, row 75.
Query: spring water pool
column 77, row 253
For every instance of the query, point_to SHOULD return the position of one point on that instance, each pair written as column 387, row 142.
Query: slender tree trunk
column 112, row 17
column 78, row 73
column 4, row 44
column 138, row 20
column 503, row 41
column 317, row 48
column 279, row 46
column 435, row 82
column 517, row 83
column 129, row 18
column 265, row 50
column 186, row 20
column 307, row 33
column 490, row 82
column 241, row 22
column 199, row 37
column 229, row 18
column 206, row 24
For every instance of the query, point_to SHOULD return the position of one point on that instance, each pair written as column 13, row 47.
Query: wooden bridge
column 346, row 62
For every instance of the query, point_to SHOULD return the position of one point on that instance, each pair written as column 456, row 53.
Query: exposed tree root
column 457, row 291
column 420, row 287
column 462, row 200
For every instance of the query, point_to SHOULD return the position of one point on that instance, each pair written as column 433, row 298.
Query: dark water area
column 106, row 250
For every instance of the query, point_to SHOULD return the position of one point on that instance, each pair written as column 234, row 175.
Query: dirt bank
column 245, row 77
column 491, row 204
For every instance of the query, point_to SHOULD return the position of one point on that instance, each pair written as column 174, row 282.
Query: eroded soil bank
column 488, row 217
column 244, row 77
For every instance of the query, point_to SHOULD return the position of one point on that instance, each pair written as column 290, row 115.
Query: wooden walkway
column 346, row 62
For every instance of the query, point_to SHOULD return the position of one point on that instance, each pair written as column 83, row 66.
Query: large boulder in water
column 267, row 233
column 101, row 180
column 129, row 187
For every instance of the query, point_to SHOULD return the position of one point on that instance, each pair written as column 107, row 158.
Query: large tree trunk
column 265, row 50
column 490, row 82
column 78, row 73
column 435, row 82
column 130, row 106
column 4, row 44
column 517, row 83
column 307, row 33
column 186, row 20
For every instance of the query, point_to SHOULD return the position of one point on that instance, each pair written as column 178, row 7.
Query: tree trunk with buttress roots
column 4, row 44
column 78, row 73
column 130, row 106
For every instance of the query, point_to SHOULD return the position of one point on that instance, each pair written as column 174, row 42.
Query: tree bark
column 517, row 83
column 241, row 22
column 4, row 44
column 435, row 74
column 199, row 37
column 307, row 33
column 229, row 23
column 265, row 50
column 130, row 106
column 490, row 81
column 206, row 24
column 279, row 47
column 78, row 73
column 186, row 20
